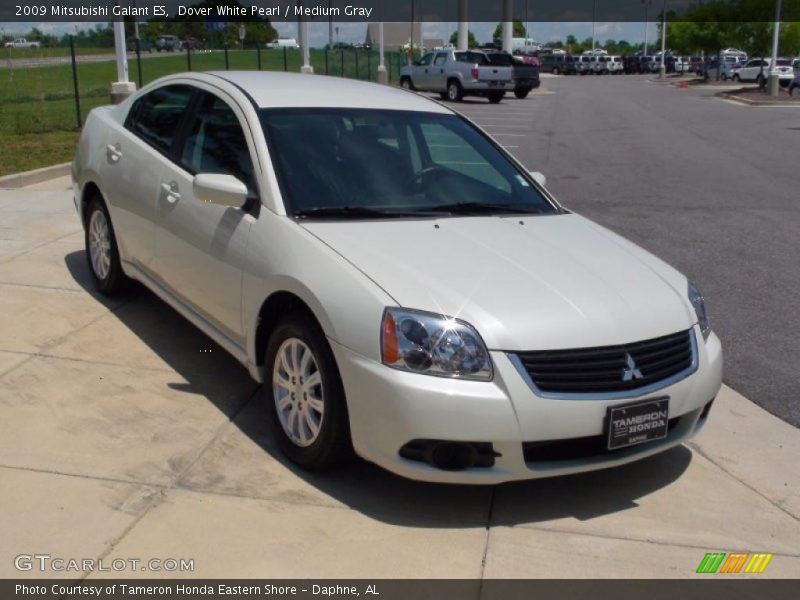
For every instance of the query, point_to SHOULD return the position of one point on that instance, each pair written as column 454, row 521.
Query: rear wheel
column 454, row 91
column 792, row 88
column 556, row 71
column 495, row 97
column 521, row 93
column 306, row 401
column 102, row 252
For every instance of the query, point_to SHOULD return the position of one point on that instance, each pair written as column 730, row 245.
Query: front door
column 200, row 247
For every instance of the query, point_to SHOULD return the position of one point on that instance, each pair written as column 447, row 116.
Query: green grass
column 32, row 151
column 40, row 100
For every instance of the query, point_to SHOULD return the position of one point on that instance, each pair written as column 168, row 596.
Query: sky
column 356, row 32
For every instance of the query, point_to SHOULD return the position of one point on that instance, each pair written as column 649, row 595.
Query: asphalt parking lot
column 125, row 432
column 707, row 185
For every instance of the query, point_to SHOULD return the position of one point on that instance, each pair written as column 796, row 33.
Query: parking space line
column 509, row 134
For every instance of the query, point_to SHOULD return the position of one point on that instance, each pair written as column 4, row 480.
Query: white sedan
column 400, row 285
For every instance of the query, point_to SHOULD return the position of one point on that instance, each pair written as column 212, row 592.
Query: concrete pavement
column 126, row 433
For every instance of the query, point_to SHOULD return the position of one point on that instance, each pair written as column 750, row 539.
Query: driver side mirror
column 539, row 178
column 224, row 190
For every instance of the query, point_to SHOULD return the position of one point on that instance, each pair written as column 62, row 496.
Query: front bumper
column 390, row 408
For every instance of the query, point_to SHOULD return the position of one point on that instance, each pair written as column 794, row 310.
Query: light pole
column 383, row 76
column 662, row 68
column 594, row 17
column 122, row 88
column 646, row 5
column 774, row 77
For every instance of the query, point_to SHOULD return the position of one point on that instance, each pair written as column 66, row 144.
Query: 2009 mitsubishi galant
column 400, row 285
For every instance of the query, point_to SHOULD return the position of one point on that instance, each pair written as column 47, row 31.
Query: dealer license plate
column 637, row 423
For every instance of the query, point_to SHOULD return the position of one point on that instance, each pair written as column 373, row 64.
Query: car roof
column 292, row 90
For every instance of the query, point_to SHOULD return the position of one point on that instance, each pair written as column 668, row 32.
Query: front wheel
column 521, row 93
column 556, row 71
column 102, row 252
column 305, row 396
column 405, row 83
column 736, row 78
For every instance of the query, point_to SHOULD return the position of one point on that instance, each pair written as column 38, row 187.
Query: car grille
column 610, row 369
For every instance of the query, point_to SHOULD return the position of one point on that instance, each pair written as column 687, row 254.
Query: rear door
column 136, row 157
column 201, row 247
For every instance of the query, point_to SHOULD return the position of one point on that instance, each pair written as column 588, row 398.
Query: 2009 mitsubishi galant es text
column 400, row 285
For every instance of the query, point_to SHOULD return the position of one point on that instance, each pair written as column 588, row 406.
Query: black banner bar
column 542, row 11
column 713, row 588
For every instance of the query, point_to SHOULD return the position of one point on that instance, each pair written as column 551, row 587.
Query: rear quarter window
column 155, row 116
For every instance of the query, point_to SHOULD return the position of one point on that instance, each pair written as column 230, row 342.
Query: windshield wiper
column 359, row 212
column 482, row 208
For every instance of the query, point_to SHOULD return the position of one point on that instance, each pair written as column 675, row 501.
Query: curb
column 18, row 180
column 748, row 102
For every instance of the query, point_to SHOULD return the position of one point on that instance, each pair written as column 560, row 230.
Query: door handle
column 171, row 190
column 113, row 152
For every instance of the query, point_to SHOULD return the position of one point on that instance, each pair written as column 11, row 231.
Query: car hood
column 525, row 283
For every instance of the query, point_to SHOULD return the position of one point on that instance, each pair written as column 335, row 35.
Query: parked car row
column 758, row 69
column 456, row 74
column 165, row 43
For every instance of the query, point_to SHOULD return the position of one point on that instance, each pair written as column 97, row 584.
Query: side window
column 155, row 116
column 216, row 143
column 425, row 60
column 450, row 150
column 440, row 59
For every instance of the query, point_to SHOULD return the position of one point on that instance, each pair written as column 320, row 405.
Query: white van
column 614, row 65
column 583, row 64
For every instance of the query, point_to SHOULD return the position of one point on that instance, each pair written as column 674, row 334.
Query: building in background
column 395, row 35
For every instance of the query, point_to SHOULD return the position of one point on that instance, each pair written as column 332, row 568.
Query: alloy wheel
column 297, row 390
column 100, row 244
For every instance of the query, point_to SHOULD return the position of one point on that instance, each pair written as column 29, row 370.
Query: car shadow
column 360, row 485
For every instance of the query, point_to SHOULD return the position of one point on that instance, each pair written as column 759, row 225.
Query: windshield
column 392, row 162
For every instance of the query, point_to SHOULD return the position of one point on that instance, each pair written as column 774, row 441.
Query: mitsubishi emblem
column 631, row 371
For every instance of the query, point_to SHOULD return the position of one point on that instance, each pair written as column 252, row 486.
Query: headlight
column 696, row 298
column 433, row 344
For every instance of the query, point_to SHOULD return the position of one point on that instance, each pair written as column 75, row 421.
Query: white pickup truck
column 22, row 43
column 455, row 74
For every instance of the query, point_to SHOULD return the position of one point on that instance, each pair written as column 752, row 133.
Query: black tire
column 455, row 93
column 332, row 446
column 556, row 71
column 736, row 78
column 112, row 280
column 521, row 93
column 792, row 88
column 495, row 97
column 406, row 83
